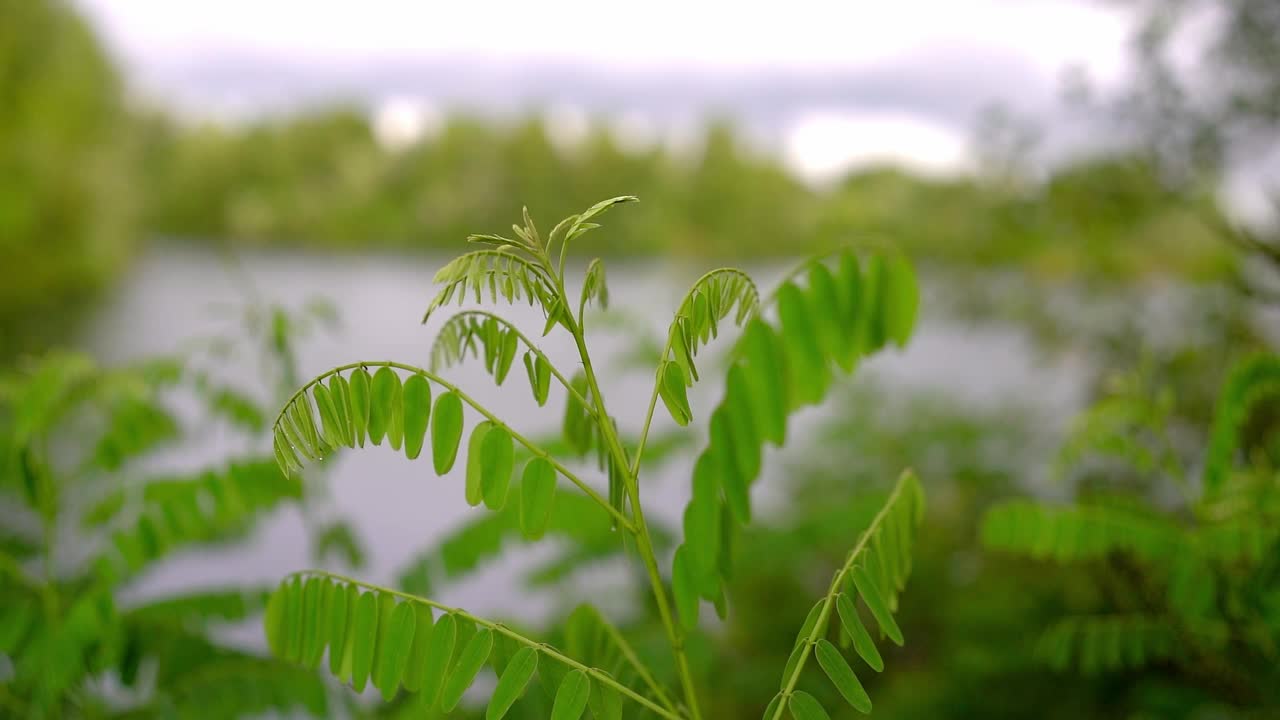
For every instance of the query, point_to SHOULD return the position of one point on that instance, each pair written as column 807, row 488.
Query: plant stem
column 596, row 674
column 644, row 543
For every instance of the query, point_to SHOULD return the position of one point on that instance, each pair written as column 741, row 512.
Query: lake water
column 399, row 507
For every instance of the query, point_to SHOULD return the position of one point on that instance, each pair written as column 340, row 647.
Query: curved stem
column 528, row 444
column 597, row 674
column 820, row 626
column 644, row 432
column 644, row 543
column 641, row 669
column 527, row 342
column 671, row 339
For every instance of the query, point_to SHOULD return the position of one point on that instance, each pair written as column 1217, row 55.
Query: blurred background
column 204, row 204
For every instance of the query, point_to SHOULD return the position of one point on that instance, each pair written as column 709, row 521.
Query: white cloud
column 718, row 34
column 822, row 146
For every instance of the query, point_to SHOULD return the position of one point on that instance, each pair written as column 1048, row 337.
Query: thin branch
column 666, row 353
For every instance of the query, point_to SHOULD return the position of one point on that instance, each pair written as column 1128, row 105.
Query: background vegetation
column 1081, row 259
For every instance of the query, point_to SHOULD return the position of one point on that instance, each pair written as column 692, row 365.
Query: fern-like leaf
column 712, row 298
column 394, row 640
column 1107, row 643
column 298, row 437
column 207, row 507
column 485, row 336
column 496, row 273
column 874, row 571
column 1248, row 384
column 1075, row 533
column 594, row 288
column 575, row 226
column 779, row 367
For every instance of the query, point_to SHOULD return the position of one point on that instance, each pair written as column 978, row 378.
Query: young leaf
column 537, row 497
column 464, row 672
column 702, row 518
column 394, row 646
column 766, row 376
column 446, row 431
column 841, row 675
column 870, row 592
column 507, row 355
column 724, row 456
column 902, row 299
column 605, row 703
column 747, row 443
column 274, row 623
column 341, row 626
column 497, row 456
column 383, row 392
column 364, row 638
column 417, row 411
column 360, row 403
column 826, row 305
column 309, row 439
column 423, row 629
column 805, row 707
column 810, row 622
column 594, row 286
column 578, row 426
column 475, row 463
column 439, row 654
column 571, row 698
column 684, row 586
column 804, row 353
column 341, row 392
column 293, row 628
column 862, row 641
column 512, row 683
column 672, row 390
column 312, row 630
column 333, row 433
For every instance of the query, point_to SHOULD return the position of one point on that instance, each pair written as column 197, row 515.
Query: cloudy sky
column 826, row 83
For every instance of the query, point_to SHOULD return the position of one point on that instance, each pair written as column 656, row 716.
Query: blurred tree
column 66, row 195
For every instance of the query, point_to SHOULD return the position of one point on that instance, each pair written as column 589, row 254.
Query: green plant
column 88, row 516
column 1182, row 584
column 842, row 312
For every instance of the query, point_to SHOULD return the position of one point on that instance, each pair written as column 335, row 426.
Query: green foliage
column 1191, row 589
column 875, row 571
column 77, row 447
column 823, row 326
column 67, row 203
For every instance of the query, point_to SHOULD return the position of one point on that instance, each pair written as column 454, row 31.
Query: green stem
column 682, row 309
column 644, row 543
column 641, row 669
column 598, row 675
column 820, row 626
column 528, row 444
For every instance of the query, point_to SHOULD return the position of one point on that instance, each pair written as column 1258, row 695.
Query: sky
column 827, row 84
